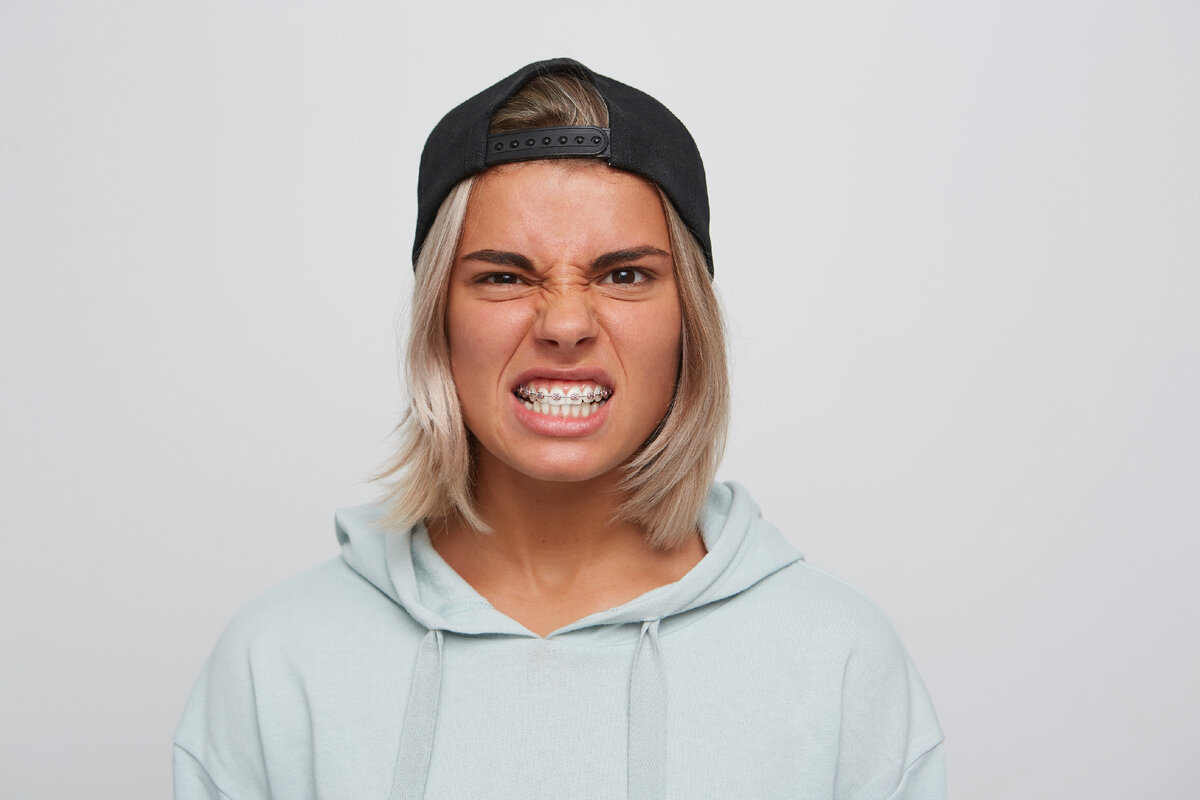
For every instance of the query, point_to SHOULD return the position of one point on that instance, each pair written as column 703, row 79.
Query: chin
column 555, row 464
column 565, row 472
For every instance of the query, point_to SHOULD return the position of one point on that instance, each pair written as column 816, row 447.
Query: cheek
column 468, row 360
column 465, row 345
column 654, row 339
column 671, row 356
column 482, row 339
column 672, row 344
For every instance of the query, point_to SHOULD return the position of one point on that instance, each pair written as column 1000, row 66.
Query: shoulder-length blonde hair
column 665, row 484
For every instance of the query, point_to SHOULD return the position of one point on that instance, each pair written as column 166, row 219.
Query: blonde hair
column 666, row 483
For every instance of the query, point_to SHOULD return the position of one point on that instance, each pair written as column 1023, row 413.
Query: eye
column 626, row 276
column 500, row 279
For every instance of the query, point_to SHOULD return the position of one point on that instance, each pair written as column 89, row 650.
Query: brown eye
column 625, row 276
column 504, row 278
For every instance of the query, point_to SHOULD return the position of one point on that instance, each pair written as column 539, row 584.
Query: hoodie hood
column 742, row 549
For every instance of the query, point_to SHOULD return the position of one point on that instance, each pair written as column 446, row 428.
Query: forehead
column 562, row 206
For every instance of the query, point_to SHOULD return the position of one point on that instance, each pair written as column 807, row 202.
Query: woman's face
column 563, row 285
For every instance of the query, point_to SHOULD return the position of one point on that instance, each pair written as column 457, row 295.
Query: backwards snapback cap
column 642, row 137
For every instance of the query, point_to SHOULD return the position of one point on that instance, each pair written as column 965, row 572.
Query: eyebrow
column 503, row 258
column 621, row 256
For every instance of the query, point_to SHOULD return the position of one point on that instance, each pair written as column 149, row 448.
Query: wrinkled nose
column 566, row 319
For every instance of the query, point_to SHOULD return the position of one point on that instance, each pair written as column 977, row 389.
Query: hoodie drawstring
column 420, row 719
column 647, row 757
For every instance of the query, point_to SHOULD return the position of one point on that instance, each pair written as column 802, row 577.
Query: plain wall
column 957, row 243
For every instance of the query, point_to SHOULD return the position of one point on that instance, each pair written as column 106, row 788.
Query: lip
column 594, row 374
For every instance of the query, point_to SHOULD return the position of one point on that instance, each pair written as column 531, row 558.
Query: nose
column 566, row 319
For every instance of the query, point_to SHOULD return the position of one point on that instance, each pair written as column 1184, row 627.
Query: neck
column 555, row 553
column 546, row 527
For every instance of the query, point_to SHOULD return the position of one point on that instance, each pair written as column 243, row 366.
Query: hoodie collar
column 742, row 550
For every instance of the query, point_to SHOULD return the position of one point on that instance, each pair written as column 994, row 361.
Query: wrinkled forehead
column 556, row 209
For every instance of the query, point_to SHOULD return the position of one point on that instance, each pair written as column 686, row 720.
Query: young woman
column 554, row 600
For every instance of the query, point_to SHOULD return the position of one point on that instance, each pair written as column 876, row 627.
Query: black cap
column 642, row 137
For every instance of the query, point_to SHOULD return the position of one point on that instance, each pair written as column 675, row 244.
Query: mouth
column 563, row 398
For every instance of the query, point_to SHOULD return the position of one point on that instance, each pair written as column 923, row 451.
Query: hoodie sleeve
column 925, row 778
column 890, row 744
column 218, row 744
column 192, row 781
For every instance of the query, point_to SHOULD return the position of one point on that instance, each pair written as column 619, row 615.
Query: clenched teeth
column 563, row 400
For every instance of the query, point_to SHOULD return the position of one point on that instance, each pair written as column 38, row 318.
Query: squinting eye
column 506, row 278
column 624, row 276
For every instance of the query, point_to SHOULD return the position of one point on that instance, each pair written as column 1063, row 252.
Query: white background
column 957, row 243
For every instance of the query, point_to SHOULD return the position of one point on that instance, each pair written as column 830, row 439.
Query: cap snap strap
column 578, row 140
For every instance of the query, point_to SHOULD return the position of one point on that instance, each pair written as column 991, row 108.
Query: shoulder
column 823, row 653
column 288, row 648
column 314, row 615
column 312, row 597
column 806, row 601
column 888, row 724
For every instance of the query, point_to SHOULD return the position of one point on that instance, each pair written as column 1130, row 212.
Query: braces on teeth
column 588, row 396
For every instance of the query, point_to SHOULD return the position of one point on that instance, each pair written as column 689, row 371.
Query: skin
column 561, row 265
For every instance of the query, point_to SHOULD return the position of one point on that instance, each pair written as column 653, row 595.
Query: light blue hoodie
column 384, row 675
